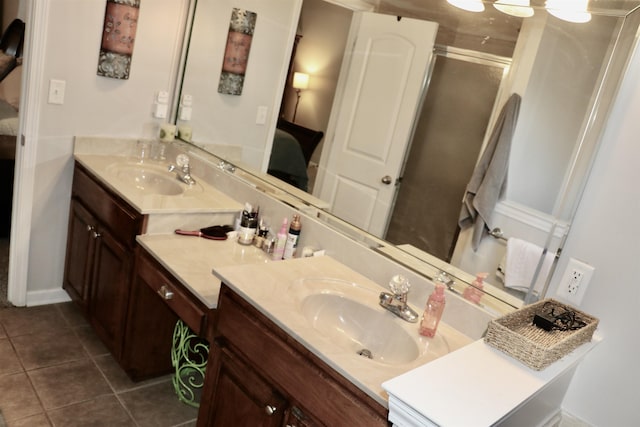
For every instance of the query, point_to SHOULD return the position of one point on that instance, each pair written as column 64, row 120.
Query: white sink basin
column 360, row 329
column 350, row 318
column 148, row 178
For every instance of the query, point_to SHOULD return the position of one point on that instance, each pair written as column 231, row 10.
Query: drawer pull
column 96, row 235
column 165, row 293
column 270, row 410
column 90, row 228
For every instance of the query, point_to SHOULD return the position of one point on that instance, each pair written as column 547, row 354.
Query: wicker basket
column 515, row 335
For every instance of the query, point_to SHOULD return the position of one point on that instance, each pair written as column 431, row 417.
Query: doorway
column 448, row 137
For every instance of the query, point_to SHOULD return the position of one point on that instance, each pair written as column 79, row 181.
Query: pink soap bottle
column 432, row 312
column 474, row 292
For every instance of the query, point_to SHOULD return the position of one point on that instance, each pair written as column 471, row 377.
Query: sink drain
column 366, row 353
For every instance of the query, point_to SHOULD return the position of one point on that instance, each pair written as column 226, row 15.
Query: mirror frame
column 427, row 265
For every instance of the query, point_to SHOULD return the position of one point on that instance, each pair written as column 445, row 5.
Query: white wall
column 605, row 234
column 93, row 105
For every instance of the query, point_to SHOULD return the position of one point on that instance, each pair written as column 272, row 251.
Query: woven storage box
column 515, row 335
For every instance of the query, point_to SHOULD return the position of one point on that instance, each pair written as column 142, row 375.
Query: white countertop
column 201, row 197
column 476, row 385
column 191, row 260
column 274, row 289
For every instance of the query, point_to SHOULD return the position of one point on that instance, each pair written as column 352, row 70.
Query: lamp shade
column 300, row 80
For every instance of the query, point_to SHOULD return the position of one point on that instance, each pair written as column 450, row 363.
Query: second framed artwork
column 236, row 55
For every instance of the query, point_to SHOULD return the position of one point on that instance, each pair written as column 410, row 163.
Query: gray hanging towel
column 489, row 178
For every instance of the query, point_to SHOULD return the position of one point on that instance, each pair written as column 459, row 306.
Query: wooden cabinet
column 100, row 248
column 259, row 375
column 156, row 302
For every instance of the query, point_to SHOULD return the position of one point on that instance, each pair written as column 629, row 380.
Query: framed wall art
column 118, row 38
column 236, row 55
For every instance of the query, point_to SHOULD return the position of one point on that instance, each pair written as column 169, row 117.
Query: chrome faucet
column 226, row 166
column 183, row 170
column 396, row 302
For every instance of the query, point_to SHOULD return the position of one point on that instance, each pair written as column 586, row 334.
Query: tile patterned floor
column 55, row 372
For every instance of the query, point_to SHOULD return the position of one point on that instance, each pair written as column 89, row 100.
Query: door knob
column 386, row 180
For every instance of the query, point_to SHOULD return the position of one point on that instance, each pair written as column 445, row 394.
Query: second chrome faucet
column 396, row 302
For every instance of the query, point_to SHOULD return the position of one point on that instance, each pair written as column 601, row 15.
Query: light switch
column 56, row 91
column 187, row 100
column 163, row 97
column 261, row 116
column 160, row 111
column 185, row 113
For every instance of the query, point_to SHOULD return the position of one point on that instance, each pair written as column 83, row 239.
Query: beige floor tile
column 9, row 363
column 103, row 411
column 39, row 420
column 48, row 348
column 18, row 398
column 69, row 383
column 157, row 405
column 28, row 320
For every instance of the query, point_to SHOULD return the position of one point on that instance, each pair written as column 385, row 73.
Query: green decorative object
column 189, row 359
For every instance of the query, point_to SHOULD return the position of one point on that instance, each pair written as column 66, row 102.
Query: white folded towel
column 521, row 262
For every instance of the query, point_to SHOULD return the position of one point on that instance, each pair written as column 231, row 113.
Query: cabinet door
column 240, row 397
column 80, row 251
column 109, row 289
column 149, row 335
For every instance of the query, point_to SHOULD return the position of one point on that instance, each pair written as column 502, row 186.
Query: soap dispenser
column 474, row 292
column 433, row 312
column 280, row 242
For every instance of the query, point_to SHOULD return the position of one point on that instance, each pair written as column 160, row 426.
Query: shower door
column 447, row 140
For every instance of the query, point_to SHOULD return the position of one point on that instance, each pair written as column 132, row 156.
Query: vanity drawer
column 124, row 222
column 172, row 293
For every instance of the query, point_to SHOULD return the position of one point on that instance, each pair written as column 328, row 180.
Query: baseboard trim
column 51, row 296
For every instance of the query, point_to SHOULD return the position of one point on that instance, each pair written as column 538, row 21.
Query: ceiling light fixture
column 518, row 8
column 468, row 5
column 569, row 10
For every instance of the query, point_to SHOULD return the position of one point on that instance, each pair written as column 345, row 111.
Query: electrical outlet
column 574, row 281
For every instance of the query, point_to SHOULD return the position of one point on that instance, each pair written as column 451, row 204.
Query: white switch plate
column 163, row 97
column 160, row 111
column 187, row 100
column 56, row 91
column 185, row 113
column 574, row 281
column 261, row 116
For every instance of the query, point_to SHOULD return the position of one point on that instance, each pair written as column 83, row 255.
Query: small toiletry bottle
column 281, row 241
column 474, row 292
column 433, row 312
column 292, row 238
column 248, row 225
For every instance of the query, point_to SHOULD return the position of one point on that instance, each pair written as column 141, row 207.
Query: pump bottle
column 281, row 240
column 474, row 292
column 292, row 238
column 432, row 312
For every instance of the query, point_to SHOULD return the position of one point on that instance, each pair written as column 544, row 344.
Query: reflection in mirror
column 435, row 120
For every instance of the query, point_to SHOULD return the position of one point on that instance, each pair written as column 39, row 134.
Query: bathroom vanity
column 298, row 342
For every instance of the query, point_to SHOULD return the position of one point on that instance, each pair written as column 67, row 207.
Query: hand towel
column 521, row 262
column 489, row 178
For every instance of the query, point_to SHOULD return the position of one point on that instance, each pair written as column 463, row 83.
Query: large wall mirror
column 403, row 101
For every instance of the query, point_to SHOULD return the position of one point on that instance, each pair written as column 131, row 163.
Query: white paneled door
column 379, row 93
